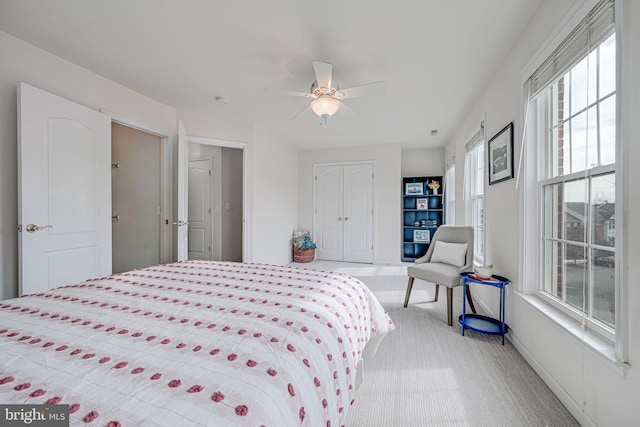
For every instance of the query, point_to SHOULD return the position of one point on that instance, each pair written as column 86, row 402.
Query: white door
column 329, row 213
column 200, row 221
column 64, row 191
column 344, row 213
column 183, row 194
column 358, row 213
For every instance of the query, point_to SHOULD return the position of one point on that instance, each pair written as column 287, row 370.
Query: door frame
column 247, row 248
column 373, row 196
column 165, row 196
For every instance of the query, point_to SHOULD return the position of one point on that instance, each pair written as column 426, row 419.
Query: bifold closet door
column 358, row 213
column 328, row 213
column 344, row 213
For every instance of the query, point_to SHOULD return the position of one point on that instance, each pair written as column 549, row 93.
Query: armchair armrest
column 424, row 258
column 467, row 267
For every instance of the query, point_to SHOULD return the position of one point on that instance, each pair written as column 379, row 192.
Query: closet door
column 358, row 213
column 344, row 213
column 329, row 213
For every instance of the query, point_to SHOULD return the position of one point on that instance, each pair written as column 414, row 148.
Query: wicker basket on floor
column 303, row 254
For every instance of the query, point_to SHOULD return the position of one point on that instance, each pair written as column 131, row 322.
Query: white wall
column 275, row 198
column 422, row 162
column 595, row 392
column 218, row 124
column 22, row 62
column 387, row 185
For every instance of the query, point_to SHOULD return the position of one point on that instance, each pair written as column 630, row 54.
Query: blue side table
column 477, row 322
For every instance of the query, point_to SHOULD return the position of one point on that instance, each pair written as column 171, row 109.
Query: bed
column 194, row 343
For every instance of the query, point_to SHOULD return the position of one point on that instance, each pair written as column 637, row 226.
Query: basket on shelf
column 303, row 254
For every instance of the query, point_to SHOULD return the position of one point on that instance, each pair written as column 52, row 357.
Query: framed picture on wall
column 413, row 189
column 500, row 154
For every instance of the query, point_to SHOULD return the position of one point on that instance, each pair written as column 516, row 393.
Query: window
column 450, row 191
column 574, row 113
column 474, row 192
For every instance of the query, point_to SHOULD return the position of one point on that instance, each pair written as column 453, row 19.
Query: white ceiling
column 435, row 57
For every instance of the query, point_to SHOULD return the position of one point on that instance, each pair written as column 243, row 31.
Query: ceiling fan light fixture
column 325, row 106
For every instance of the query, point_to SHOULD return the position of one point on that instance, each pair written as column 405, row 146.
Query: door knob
column 32, row 228
column 339, row 218
column 346, row 218
column 180, row 223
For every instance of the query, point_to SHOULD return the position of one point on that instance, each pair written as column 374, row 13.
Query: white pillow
column 450, row 253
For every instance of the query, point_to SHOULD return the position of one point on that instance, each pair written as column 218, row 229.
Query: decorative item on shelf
column 434, row 186
column 421, row 204
column 423, row 223
column 484, row 271
column 421, row 236
column 416, row 223
column 304, row 249
column 413, row 189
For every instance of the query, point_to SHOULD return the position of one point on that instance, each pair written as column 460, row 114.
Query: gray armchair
column 442, row 273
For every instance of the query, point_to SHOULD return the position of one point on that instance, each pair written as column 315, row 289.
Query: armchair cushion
column 442, row 274
column 450, row 253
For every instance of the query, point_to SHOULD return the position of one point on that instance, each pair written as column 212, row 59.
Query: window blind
column 589, row 33
column 450, row 162
column 476, row 139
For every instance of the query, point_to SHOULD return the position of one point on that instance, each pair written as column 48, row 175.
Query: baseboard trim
column 572, row 406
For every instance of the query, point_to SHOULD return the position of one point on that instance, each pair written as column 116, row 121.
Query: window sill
column 593, row 342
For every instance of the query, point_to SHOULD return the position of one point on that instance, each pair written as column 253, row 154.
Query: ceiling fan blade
column 297, row 93
column 374, row 88
column 344, row 107
column 324, row 73
column 308, row 107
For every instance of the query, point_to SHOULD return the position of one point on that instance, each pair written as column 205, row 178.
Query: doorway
column 136, row 177
column 215, row 200
column 67, row 208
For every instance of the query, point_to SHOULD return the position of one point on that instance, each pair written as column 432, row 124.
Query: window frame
column 594, row 325
column 537, row 177
column 450, row 192
column 475, row 194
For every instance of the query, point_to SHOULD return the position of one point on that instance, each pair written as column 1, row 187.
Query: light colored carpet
column 427, row 374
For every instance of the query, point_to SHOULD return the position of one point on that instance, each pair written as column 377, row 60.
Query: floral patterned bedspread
column 193, row 343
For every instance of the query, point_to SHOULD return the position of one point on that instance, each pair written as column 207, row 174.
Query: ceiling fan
column 327, row 96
